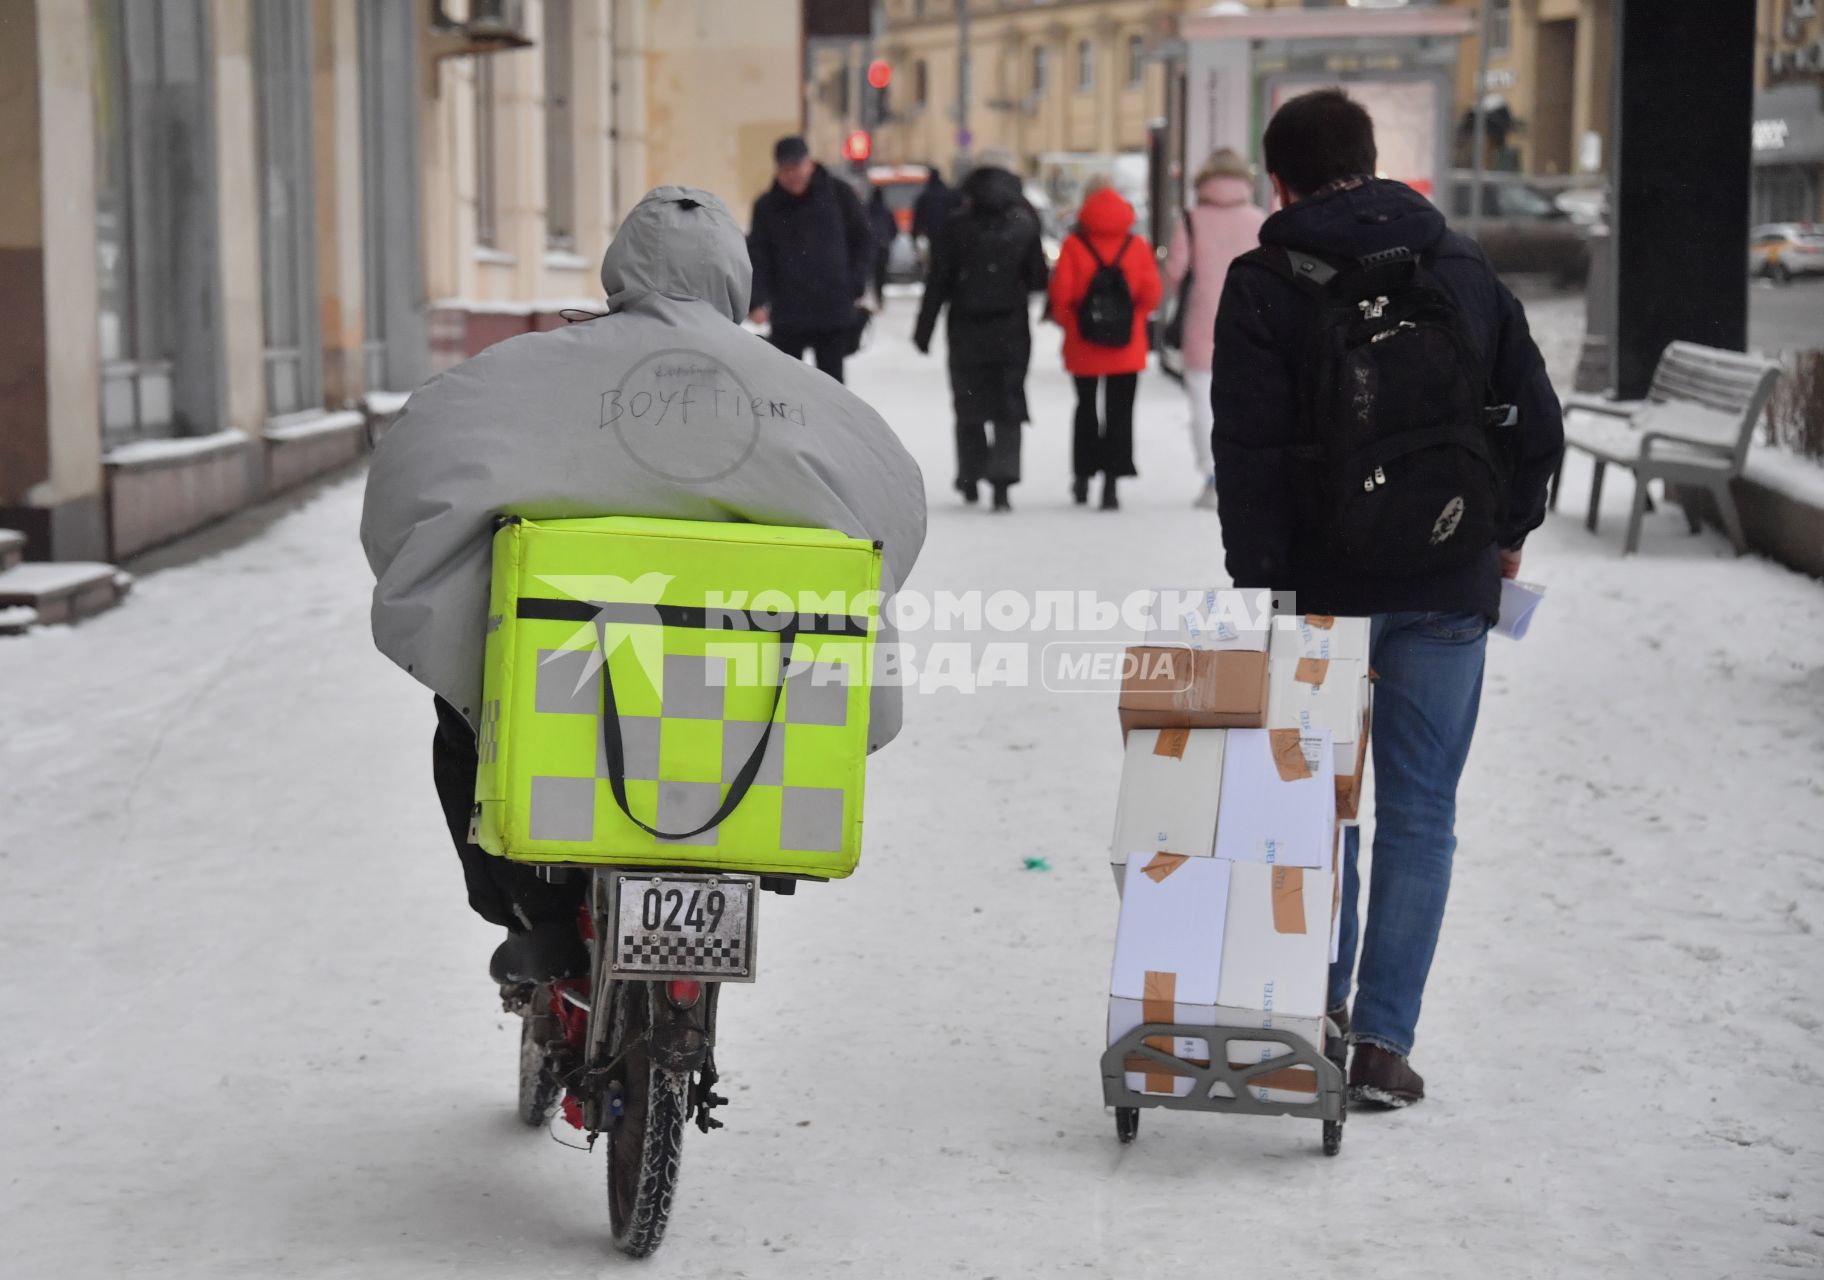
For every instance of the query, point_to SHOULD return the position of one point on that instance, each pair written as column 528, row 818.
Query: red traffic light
column 858, row 146
column 880, row 73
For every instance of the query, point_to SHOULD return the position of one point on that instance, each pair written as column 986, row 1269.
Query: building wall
column 1008, row 111
column 724, row 81
column 692, row 93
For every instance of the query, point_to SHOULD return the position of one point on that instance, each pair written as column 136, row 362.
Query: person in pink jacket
column 1223, row 225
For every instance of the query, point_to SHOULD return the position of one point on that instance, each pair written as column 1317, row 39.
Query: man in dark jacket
column 1429, row 630
column 813, row 254
column 986, row 263
column 934, row 205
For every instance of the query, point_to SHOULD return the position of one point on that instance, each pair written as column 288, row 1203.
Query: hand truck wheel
column 1333, row 1137
column 1127, row 1123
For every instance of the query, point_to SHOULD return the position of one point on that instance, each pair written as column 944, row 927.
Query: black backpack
column 1404, row 461
column 1105, row 316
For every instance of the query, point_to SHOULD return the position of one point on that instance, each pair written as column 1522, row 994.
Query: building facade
column 532, row 155
column 208, row 287
column 1081, row 78
column 1789, row 113
column 235, row 232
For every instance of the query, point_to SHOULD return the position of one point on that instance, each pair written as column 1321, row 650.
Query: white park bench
column 1692, row 431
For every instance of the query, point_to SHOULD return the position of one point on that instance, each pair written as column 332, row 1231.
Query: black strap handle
column 615, row 751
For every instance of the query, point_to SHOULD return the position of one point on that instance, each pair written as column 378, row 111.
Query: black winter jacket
column 813, row 255
column 986, row 262
column 1262, row 327
column 934, row 206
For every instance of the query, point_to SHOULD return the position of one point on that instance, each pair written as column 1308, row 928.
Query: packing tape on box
column 1288, row 899
column 1322, row 621
column 1162, row 865
column 1288, row 755
column 1291, row 1079
column 1311, row 671
column 1172, row 743
column 1158, row 1003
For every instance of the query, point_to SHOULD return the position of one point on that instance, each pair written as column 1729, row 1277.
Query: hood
column 1225, row 192
column 993, row 190
column 679, row 243
column 1106, row 214
column 1358, row 220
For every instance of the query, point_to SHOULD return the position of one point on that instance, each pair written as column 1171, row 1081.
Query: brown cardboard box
column 1171, row 688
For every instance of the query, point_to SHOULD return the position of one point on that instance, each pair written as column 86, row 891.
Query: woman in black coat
column 986, row 262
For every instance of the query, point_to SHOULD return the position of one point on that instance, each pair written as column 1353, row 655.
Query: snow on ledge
column 316, row 424
column 526, row 307
column 1786, row 473
column 384, row 404
column 151, row 453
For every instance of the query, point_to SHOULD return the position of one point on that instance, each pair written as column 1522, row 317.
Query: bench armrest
column 1608, row 408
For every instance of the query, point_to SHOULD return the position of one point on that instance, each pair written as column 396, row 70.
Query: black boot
column 1109, row 501
column 550, row 949
column 970, row 490
column 1079, row 489
column 1381, row 1078
column 1001, row 502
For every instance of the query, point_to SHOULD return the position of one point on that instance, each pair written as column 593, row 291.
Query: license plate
column 682, row 925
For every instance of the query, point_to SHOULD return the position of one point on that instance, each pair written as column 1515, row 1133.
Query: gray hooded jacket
column 665, row 407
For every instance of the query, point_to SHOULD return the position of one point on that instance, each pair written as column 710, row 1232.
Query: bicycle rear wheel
column 538, row 1088
column 645, row 1141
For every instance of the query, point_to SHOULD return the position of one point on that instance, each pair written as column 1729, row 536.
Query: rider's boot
column 550, row 949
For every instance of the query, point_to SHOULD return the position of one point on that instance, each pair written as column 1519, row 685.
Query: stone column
column 50, row 363
column 337, row 140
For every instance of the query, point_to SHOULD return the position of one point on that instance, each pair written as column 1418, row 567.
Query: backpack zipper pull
column 1380, row 477
column 1372, row 308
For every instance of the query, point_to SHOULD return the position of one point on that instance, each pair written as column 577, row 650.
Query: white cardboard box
column 1171, row 787
column 1309, row 694
column 1278, row 802
column 1310, row 635
column 1214, row 619
column 1276, row 940
column 1168, row 945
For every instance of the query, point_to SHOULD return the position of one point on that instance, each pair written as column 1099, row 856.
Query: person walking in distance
column 1222, row 225
column 986, row 263
column 933, row 208
column 813, row 258
column 1105, row 286
column 1384, row 433
column 886, row 230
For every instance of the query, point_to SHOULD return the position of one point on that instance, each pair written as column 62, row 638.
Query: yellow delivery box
column 677, row 693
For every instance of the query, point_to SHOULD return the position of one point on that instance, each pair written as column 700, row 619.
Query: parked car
column 901, row 185
column 1782, row 250
column 1523, row 230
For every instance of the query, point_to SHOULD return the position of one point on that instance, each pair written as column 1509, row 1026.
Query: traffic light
column 858, row 146
column 880, row 73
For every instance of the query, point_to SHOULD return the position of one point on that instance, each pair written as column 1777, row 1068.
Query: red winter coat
column 1107, row 220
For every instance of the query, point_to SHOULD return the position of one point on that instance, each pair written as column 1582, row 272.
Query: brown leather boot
column 1381, row 1078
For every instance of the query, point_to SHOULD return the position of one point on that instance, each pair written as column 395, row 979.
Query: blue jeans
column 1429, row 686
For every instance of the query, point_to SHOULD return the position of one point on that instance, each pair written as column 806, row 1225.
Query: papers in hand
column 1518, row 601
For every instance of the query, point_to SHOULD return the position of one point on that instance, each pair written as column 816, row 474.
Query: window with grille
column 1086, row 66
column 560, row 127
column 487, row 210
column 154, row 218
column 288, row 206
column 1136, row 61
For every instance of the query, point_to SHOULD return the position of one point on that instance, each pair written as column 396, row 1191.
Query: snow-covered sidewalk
column 251, row 1033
